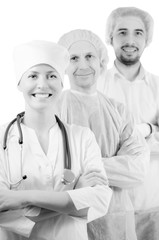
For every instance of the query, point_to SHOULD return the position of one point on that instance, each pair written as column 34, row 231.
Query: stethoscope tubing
column 67, row 162
column 67, row 157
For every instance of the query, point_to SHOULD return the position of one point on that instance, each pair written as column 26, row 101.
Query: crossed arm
column 51, row 203
column 129, row 166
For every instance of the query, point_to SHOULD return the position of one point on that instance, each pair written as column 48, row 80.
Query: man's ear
column 102, row 67
column 111, row 41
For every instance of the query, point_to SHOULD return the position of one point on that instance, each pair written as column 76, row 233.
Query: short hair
column 129, row 11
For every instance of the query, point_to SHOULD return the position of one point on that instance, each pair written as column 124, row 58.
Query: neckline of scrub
column 83, row 94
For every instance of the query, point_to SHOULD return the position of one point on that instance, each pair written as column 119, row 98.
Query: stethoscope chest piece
column 68, row 177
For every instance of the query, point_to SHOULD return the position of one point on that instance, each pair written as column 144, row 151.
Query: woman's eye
column 32, row 76
column 52, row 76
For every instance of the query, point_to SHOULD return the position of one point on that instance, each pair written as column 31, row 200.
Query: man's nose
column 83, row 63
column 130, row 39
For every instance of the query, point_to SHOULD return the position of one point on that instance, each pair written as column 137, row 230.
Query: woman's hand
column 91, row 178
column 10, row 200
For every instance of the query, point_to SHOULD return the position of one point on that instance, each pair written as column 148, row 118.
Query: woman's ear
column 66, row 71
column 19, row 87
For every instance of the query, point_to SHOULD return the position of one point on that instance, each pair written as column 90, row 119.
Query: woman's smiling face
column 41, row 86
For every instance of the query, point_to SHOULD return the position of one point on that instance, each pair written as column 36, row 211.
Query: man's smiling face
column 129, row 39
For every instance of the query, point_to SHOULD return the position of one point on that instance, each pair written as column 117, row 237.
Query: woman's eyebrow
column 50, row 71
column 122, row 29
column 32, row 71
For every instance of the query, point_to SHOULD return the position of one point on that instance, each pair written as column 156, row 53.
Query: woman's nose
column 42, row 82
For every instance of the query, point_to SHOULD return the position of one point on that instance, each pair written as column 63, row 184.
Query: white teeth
column 41, row 95
column 83, row 75
column 129, row 49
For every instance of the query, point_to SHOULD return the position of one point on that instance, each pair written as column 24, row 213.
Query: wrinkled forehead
column 129, row 23
column 82, row 47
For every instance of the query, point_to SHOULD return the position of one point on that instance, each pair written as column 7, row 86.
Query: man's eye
column 74, row 58
column 123, row 33
column 139, row 33
column 89, row 56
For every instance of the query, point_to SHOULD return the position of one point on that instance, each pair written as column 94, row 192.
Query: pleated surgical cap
column 129, row 11
column 37, row 52
column 84, row 35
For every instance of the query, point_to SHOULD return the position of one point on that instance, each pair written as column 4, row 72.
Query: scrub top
column 141, row 96
column 113, row 127
column 44, row 172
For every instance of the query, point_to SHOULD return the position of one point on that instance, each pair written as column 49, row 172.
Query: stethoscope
column 68, row 176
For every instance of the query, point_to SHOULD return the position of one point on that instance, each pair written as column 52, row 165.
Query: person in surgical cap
column 47, row 202
column 129, row 30
column 124, row 152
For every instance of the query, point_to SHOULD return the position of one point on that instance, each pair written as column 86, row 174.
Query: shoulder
column 3, row 128
column 110, row 72
column 151, row 75
column 62, row 103
column 77, row 130
column 112, row 104
column 153, row 83
column 2, row 132
column 152, row 78
column 64, row 95
column 78, row 133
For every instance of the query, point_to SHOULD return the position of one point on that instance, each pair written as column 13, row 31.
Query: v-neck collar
column 141, row 75
column 31, row 139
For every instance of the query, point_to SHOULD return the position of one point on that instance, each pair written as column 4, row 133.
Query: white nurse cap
column 40, row 52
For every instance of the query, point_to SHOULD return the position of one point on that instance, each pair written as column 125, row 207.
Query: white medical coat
column 112, row 126
column 141, row 97
column 44, row 173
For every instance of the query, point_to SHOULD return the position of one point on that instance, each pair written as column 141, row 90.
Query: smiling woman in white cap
column 39, row 198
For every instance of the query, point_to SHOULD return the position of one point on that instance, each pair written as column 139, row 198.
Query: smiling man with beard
column 129, row 41
column 129, row 30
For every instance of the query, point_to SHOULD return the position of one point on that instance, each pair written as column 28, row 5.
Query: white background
column 25, row 20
